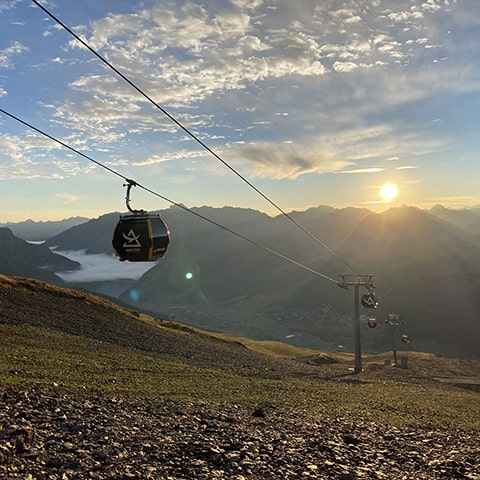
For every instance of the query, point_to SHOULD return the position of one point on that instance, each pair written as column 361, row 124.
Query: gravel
column 51, row 433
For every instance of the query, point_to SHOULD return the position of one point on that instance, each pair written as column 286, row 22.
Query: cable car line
column 191, row 134
column 253, row 242
column 45, row 134
column 183, row 207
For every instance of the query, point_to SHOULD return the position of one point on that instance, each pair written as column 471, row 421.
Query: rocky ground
column 55, row 434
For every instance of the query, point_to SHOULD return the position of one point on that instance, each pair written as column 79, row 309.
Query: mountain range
column 425, row 265
column 40, row 231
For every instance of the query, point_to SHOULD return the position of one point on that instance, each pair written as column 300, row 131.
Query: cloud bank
column 101, row 268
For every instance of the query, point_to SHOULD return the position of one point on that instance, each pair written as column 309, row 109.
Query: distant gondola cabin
column 372, row 322
column 369, row 300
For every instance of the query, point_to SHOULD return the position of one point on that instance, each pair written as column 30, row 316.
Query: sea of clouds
column 101, row 267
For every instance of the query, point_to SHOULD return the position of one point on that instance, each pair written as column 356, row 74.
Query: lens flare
column 134, row 295
column 189, row 275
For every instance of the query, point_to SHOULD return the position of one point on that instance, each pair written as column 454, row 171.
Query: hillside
column 88, row 387
column 424, row 265
column 18, row 257
column 37, row 304
column 425, row 268
column 32, row 303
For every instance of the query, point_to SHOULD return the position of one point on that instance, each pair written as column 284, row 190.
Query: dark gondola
column 140, row 236
column 369, row 300
column 372, row 322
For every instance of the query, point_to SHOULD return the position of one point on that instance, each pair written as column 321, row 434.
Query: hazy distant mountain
column 94, row 236
column 467, row 219
column 214, row 279
column 426, row 268
column 39, row 231
column 406, row 236
column 20, row 258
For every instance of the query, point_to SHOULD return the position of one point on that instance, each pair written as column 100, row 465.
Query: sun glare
column 388, row 191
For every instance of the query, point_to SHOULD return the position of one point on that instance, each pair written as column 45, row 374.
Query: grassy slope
column 37, row 356
column 46, row 355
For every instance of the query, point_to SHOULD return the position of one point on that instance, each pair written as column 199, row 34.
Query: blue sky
column 316, row 103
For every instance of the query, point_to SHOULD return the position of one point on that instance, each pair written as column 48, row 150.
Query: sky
column 313, row 102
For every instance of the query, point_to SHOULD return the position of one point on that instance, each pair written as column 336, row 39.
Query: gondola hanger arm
column 129, row 185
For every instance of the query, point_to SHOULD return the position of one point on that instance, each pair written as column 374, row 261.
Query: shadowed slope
column 35, row 303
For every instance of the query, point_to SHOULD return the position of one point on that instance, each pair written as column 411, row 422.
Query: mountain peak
column 439, row 208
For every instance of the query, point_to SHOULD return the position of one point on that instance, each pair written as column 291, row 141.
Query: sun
column 388, row 191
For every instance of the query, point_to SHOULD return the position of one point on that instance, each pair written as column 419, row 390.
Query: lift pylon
column 357, row 281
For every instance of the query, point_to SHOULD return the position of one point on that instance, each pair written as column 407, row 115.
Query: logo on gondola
column 131, row 240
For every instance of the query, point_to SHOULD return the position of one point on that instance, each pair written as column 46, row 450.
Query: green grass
column 267, row 347
column 32, row 356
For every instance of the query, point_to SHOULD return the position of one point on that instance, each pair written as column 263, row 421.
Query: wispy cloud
column 363, row 170
column 8, row 4
column 406, row 167
column 7, row 55
column 188, row 54
column 285, row 160
column 67, row 198
column 21, row 157
column 280, row 89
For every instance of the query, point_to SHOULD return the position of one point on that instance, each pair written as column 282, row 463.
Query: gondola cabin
column 140, row 237
column 369, row 300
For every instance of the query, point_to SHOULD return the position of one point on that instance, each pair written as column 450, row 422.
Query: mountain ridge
column 215, row 280
column 37, row 231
